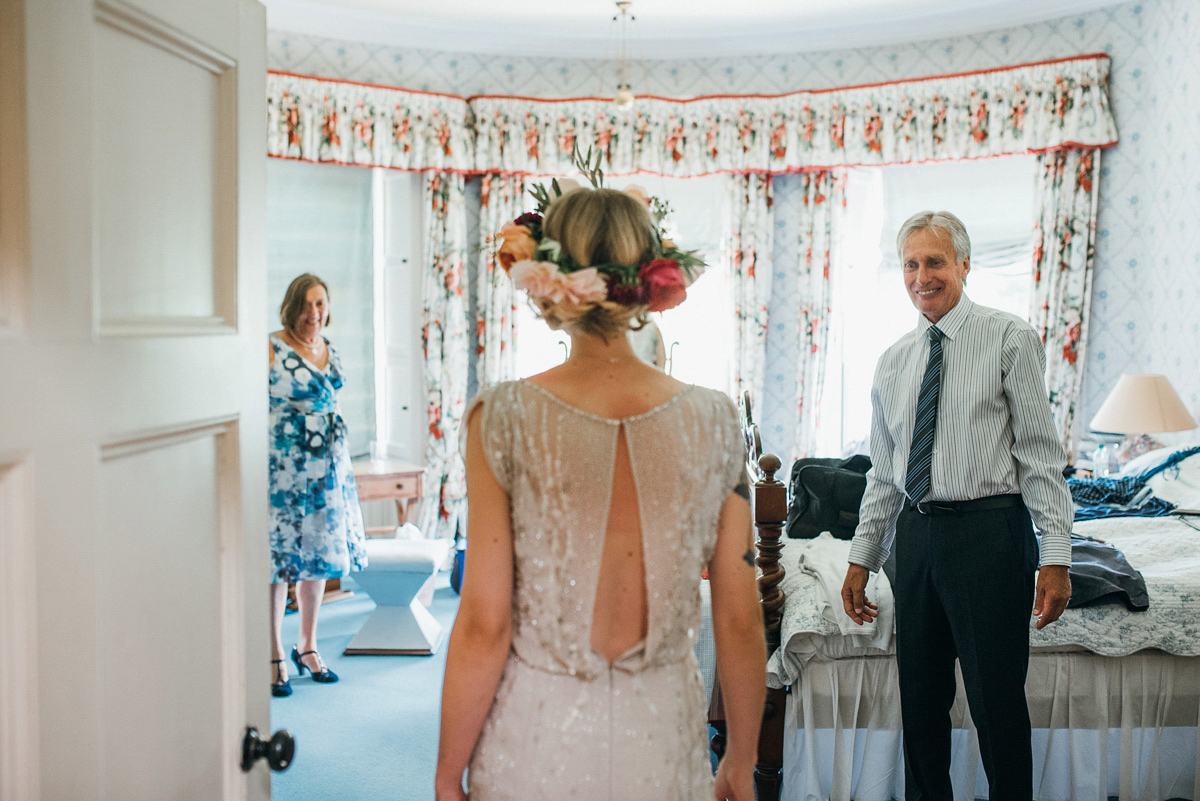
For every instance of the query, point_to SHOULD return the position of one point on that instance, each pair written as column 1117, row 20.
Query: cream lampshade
column 1142, row 404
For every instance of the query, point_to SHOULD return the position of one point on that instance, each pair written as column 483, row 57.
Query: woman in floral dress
column 316, row 522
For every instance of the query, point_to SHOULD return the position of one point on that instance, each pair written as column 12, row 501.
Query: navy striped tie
column 919, row 477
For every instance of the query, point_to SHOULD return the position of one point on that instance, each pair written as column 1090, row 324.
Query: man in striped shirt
column 965, row 452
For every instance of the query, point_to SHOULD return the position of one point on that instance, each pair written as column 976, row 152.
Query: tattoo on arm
column 749, row 556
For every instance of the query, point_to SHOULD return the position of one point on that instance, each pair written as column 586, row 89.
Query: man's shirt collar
column 952, row 322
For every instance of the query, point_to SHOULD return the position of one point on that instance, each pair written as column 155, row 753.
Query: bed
column 1114, row 695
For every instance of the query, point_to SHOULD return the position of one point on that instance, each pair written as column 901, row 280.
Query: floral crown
column 542, row 267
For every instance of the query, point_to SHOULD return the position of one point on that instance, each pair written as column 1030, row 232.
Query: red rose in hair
column 664, row 283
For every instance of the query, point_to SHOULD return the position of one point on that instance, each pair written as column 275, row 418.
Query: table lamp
column 1138, row 405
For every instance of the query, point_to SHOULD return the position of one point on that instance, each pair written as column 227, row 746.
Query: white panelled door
column 133, row 558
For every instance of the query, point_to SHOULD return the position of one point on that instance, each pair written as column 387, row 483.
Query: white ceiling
column 663, row 29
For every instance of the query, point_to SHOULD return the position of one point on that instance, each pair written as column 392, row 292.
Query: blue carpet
column 373, row 735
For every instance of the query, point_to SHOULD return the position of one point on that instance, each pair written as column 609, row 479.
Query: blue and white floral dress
column 316, row 522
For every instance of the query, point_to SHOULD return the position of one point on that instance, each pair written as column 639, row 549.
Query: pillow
column 1179, row 484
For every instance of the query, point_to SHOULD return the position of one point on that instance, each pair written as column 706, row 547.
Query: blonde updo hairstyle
column 599, row 226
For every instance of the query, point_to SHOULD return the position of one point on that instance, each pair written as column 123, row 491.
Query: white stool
column 396, row 571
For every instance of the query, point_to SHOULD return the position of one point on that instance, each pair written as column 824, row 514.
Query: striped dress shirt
column 995, row 433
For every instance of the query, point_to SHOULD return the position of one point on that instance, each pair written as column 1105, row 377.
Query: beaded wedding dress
column 567, row 724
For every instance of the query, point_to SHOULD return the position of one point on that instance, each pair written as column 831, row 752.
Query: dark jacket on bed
column 1101, row 574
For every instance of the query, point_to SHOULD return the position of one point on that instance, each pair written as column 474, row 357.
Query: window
column 870, row 308
column 319, row 220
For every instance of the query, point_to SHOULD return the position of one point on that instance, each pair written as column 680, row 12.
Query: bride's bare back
column 616, row 387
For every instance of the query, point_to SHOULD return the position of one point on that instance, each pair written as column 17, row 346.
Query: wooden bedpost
column 770, row 513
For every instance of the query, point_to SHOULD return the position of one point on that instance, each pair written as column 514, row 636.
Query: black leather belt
column 962, row 507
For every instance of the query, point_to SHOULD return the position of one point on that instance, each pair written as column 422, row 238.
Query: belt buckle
column 929, row 508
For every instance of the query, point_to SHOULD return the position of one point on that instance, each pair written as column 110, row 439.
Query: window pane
column 871, row 309
column 319, row 220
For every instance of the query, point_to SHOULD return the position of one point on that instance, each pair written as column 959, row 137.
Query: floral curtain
column 824, row 194
column 750, row 240
column 444, row 337
column 1064, row 254
column 314, row 119
column 1031, row 107
column 1034, row 107
column 501, row 200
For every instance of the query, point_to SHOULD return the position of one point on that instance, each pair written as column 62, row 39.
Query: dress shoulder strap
column 499, row 421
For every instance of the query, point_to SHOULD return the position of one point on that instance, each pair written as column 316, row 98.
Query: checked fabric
column 919, row 477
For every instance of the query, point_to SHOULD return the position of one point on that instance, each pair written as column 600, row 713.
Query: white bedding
column 1164, row 549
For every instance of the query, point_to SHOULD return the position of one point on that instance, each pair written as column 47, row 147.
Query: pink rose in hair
column 541, row 279
column 518, row 245
column 665, row 284
column 585, row 286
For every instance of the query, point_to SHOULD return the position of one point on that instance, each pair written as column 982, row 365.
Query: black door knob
column 278, row 751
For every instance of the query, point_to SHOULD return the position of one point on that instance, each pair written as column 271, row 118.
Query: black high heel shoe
column 281, row 687
column 324, row 675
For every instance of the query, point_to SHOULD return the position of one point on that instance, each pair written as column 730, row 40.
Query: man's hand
column 1053, row 592
column 854, row 595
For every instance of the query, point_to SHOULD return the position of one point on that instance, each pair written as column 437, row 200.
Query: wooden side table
column 389, row 479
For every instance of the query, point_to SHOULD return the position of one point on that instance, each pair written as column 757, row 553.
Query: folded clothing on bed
column 825, row 559
column 1101, row 574
column 1141, row 490
column 814, row 617
column 1127, row 496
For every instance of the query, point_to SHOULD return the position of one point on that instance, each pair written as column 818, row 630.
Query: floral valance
column 1031, row 108
column 315, row 119
column 1028, row 108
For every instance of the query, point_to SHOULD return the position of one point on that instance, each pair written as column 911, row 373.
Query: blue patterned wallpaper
column 1147, row 287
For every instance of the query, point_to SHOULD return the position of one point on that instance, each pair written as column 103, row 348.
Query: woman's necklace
column 313, row 349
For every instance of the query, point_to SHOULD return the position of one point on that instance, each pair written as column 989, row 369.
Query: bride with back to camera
column 598, row 491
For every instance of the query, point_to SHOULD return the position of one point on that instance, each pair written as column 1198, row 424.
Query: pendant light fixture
column 624, row 97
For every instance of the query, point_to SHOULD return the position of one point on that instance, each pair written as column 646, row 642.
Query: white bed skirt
column 1103, row 727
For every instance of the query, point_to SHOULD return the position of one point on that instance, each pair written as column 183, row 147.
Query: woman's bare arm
column 482, row 635
column 741, row 647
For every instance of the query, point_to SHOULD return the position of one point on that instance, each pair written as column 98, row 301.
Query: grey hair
column 942, row 220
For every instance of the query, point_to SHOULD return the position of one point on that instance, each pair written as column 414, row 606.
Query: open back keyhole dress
column 567, row 724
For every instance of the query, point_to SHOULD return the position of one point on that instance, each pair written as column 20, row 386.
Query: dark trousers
column 964, row 589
